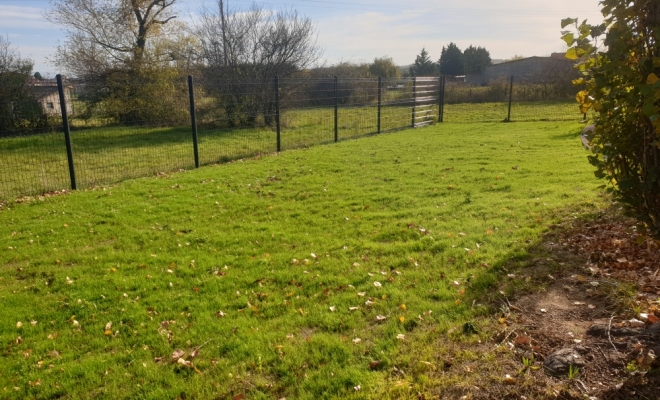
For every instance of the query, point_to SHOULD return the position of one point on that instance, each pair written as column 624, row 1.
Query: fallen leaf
column 522, row 340
column 401, row 336
column 177, row 354
column 380, row 318
column 635, row 323
column 377, row 284
column 332, row 308
column 357, row 340
column 374, row 364
column 645, row 359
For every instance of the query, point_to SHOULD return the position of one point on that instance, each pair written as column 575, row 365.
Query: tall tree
column 451, row 60
column 385, row 67
column 423, row 65
column 257, row 42
column 18, row 107
column 105, row 34
column 475, row 60
column 127, row 53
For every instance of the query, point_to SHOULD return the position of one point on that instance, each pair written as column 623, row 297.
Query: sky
column 360, row 30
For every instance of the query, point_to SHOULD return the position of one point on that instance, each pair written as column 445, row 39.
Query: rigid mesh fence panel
column 524, row 99
column 307, row 110
column 135, row 129
column 469, row 104
column 235, row 119
column 534, row 100
column 357, row 108
column 32, row 149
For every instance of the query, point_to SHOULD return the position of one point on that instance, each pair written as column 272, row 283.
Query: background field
column 206, row 260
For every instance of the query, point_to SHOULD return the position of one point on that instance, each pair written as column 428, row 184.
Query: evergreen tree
column 475, row 60
column 423, row 65
column 451, row 60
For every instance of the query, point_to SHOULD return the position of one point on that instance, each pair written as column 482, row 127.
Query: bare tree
column 257, row 43
column 104, row 34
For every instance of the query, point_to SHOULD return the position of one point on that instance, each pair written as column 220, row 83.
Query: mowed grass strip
column 287, row 275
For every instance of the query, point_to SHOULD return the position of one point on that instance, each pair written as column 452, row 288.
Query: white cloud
column 21, row 17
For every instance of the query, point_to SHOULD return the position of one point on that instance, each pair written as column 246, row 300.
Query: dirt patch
column 575, row 321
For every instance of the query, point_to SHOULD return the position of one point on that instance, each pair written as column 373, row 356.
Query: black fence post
column 193, row 121
column 441, row 95
column 67, row 132
column 336, row 109
column 508, row 118
column 277, row 111
column 380, row 89
column 414, row 103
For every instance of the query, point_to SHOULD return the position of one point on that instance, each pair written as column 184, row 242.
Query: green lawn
column 36, row 164
column 258, row 264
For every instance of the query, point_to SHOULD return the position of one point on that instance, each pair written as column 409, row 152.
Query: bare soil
column 568, row 296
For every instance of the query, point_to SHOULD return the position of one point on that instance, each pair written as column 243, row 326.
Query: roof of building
column 553, row 56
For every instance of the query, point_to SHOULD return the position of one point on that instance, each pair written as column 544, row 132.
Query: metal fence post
column 441, row 95
column 277, row 111
column 67, row 132
column 193, row 121
column 508, row 118
column 380, row 89
column 336, row 109
column 414, row 100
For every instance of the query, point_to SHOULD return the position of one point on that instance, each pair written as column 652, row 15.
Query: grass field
column 287, row 275
column 37, row 164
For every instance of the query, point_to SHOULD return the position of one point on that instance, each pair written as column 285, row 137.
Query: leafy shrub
column 621, row 84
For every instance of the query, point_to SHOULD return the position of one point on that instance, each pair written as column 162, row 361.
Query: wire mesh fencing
column 133, row 126
column 507, row 99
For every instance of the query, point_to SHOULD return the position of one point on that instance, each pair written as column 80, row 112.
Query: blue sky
column 360, row 30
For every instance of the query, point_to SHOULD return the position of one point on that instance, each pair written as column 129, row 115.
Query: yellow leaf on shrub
column 652, row 79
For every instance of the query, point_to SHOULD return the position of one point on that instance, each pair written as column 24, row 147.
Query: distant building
column 45, row 91
column 525, row 69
